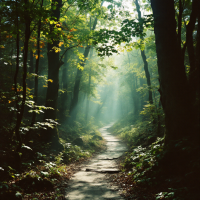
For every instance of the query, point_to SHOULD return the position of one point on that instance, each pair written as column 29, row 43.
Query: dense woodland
column 69, row 67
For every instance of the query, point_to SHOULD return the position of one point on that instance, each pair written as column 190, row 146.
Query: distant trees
column 64, row 86
column 29, row 30
column 178, row 58
column 144, row 58
column 45, row 48
column 74, row 102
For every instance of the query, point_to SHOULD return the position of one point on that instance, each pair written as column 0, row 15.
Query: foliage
column 150, row 167
column 45, row 174
column 141, row 161
column 28, row 29
column 109, row 39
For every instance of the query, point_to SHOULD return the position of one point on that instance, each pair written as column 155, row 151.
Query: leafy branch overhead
column 70, row 67
column 108, row 39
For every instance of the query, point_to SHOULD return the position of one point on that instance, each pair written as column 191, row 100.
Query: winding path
column 90, row 182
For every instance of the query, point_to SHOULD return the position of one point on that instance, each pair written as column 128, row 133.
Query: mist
column 108, row 88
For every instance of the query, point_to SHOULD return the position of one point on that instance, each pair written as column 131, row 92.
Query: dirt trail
column 90, row 182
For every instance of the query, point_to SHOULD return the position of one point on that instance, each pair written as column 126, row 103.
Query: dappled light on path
column 90, row 182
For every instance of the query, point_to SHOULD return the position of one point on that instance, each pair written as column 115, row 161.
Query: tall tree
column 74, row 103
column 54, row 64
column 88, row 95
column 174, row 88
column 64, row 95
column 37, row 68
column 20, row 112
column 144, row 58
column 133, row 87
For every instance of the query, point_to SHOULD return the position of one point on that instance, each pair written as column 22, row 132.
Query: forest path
column 90, row 182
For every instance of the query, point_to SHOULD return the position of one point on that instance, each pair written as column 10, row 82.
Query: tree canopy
column 68, row 67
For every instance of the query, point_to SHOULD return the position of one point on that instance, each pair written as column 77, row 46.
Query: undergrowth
column 152, row 170
column 44, row 172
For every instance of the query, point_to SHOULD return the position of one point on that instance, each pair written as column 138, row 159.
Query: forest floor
column 83, row 178
column 103, row 177
column 100, row 175
column 91, row 181
column 44, row 173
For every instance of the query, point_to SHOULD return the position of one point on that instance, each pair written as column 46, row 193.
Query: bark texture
column 174, row 90
column 54, row 64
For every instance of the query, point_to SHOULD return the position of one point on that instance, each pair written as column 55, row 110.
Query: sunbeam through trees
column 71, row 67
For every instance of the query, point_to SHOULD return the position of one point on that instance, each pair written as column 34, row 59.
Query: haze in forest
column 71, row 67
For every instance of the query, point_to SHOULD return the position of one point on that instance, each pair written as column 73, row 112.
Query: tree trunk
column 180, row 23
column 189, row 35
column 135, row 96
column 88, row 95
column 30, row 83
column 144, row 55
column 15, row 83
column 0, row 45
column 97, row 115
column 25, row 57
column 73, row 108
column 133, row 86
column 198, row 63
column 74, row 103
column 54, row 64
column 36, row 69
column 64, row 96
column 194, row 73
column 174, row 88
column 142, row 97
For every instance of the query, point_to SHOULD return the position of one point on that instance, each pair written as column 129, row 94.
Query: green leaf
column 26, row 147
column 114, row 67
column 45, row 173
column 18, row 194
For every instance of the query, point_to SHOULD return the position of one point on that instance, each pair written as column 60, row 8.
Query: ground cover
column 144, row 174
column 43, row 172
